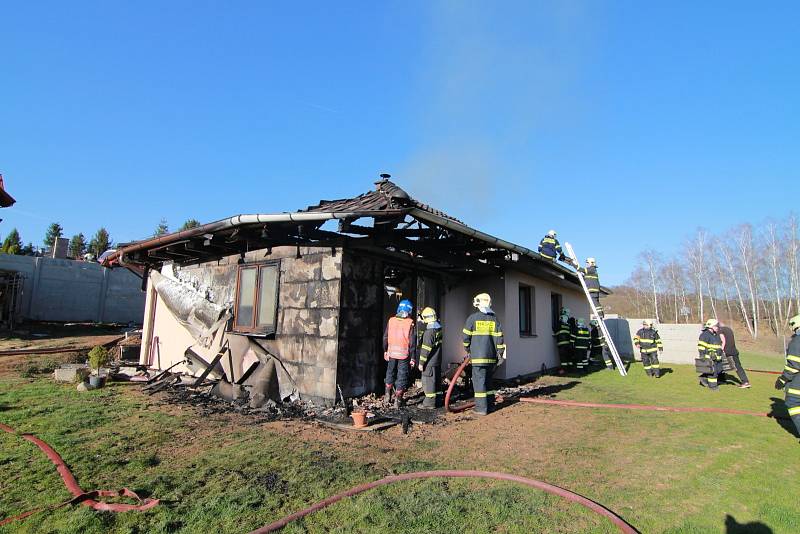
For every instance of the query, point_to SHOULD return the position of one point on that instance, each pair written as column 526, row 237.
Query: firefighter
column 550, row 248
column 581, row 342
column 649, row 344
column 790, row 379
column 564, row 342
column 593, row 283
column 399, row 344
column 484, row 345
column 710, row 346
column 430, row 359
column 599, row 345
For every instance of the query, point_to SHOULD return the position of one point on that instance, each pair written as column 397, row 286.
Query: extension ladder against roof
column 600, row 321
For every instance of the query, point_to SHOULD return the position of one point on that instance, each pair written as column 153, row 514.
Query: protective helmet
column 482, row 300
column 404, row 308
column 581, row 322
column 428, row 315
column 594, row 322
column 551, row 233
column 564, row 311
column 591, row 261
column 794, row 322
column 648, row 323
column 712, row 323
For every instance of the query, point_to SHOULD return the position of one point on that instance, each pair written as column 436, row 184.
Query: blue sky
column 623, row 125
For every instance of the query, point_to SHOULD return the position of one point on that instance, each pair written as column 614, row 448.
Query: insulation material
column 287, row 388
column 201, row 317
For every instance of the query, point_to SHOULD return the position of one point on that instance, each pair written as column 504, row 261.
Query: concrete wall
column 527, row 354
column 680, row 340
column 306, row 338
column 76, row 291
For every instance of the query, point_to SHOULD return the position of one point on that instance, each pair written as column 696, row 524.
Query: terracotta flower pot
column 359, row 419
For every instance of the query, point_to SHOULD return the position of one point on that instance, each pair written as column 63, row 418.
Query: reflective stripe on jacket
column 563, row 334
column 550, row 247
column 431, row 347
column 647, row 340
column 598, row 339
column 582, row 338
column 483, row 338
column 399, row 340
column 791, row 369
column 709, row 345
column 591, row 277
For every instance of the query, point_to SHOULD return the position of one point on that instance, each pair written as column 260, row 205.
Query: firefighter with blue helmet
column 399, row 346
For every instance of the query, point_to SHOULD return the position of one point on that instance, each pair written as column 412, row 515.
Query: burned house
column 296, row 303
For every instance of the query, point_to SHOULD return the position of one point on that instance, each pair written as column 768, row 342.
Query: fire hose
column 549, row 488
column 462, row 407
column 86, row 498
column 763, row 371
column 536, row 400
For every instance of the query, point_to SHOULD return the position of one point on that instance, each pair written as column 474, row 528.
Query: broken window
column 527, row 318
column 256, row 298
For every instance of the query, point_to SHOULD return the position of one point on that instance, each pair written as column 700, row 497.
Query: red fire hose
column 763, row 371
column 549, row 488
column 86, row 498
column 462, row 407
column 641, row 407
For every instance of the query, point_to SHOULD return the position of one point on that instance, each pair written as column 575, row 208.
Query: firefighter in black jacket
column 550, row 248
column 483, row 342
column 649, row 344
column 592, row 283
column 581, row 342
column 564, row 341
column 599, row 345
column 790, row 379
column 710, row 346
column 430, row 359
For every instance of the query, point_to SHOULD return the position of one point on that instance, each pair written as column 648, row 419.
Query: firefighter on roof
column 484, row 345
column 430, row 359
column 649, row 344
column 790, row 379
column 399, row 344
column 550, row 248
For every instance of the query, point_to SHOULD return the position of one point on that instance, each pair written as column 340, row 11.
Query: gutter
column 232, row 222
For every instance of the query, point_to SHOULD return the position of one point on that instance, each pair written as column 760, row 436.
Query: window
column 555, row 309
column 527, row 311
column 256, row 298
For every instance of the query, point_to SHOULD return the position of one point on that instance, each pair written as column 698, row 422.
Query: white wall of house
column 527, row 353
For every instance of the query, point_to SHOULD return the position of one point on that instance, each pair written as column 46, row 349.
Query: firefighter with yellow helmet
column 484, row 345
column 430, row 359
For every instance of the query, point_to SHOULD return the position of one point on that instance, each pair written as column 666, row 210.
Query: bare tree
column 652, row 260
column 695, row 256
column 744, row 242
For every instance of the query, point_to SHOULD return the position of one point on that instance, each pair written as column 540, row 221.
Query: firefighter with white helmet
column 484, row 345
column 592, row 283
column 709, row 346
column 550, row 248
column 649, row 344
column 790, row 378
column 430, row 359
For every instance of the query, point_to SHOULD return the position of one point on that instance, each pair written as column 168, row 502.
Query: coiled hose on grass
column 86, row 498
column 597, row 508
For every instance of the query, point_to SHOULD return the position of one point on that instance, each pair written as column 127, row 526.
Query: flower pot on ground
column 98, row 357
column 359, row 419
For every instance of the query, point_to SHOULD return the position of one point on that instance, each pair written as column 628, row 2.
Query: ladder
column 600, row 321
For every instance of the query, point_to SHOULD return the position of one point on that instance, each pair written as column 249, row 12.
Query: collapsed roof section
column 385, row 221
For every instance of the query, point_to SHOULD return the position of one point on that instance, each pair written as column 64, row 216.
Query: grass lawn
column 662, row 472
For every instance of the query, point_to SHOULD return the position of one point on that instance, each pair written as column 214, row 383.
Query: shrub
column 98, row 357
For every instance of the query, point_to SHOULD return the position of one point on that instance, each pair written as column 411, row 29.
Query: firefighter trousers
column 650, row 363
column 397, row 372
column 565, row 355
column 596, row 299
column 709, row 380
column 793, row 403
column 431, row 384
column 482, row 385
column 581, row 358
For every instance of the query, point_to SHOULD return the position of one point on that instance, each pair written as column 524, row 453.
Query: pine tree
column 162, row 228
column 77, row 246
column 100, row 242
column 54, row 231
column 28, row 250
column 12, row 244
column 190, row 223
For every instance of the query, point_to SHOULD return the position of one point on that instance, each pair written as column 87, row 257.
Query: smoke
column 492, row 79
